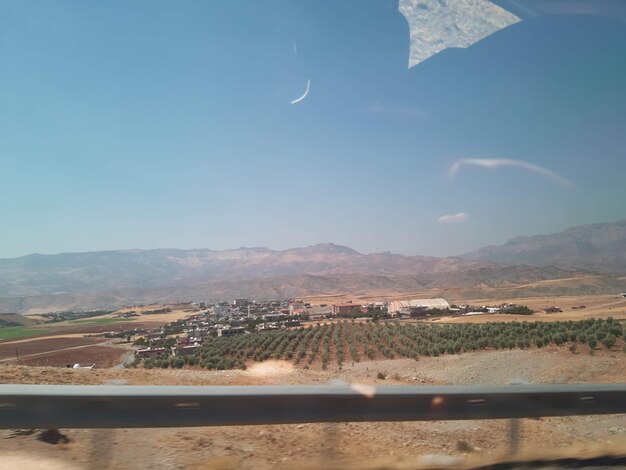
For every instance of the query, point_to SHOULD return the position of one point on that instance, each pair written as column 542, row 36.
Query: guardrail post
column 331, row 445
column 100, row 454
column 514, row 426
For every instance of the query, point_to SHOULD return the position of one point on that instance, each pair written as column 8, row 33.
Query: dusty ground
column 354, row 445
column 61, row 350
column 596, row 306
column 40, row 338
column 101, row 356
column 600, row 306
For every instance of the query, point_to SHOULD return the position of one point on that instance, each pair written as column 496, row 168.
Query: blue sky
column 168, row 124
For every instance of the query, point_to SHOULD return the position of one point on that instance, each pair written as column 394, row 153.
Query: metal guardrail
column 115, row 406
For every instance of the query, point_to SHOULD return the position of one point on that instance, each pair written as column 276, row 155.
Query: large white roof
column 428, row 303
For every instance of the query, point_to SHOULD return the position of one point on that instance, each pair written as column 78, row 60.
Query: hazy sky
column 152, row 124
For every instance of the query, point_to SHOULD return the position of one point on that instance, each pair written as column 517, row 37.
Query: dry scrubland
column 596, row 306
column 351, row 445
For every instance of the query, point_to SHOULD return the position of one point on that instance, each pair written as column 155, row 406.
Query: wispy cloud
column 499, row 162
column 453, row 218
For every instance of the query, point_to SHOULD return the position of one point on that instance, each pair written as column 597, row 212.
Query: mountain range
column 585, row 259
column 593, row 247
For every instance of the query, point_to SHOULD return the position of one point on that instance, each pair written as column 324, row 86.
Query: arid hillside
column 583, row 260
column 595, row 247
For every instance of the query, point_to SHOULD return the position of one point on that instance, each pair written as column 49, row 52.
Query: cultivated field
column 59, row 351
column 57, row 343
column 75, row 341
column 26, row 348
column 350, row 341
column 101, row 356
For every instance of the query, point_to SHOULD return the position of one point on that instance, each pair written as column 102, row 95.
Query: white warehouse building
column 426, row 304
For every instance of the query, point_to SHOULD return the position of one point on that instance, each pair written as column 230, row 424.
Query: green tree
column 519, row 310
column 609, row 341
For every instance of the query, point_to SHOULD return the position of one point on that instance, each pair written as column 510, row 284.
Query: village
column 164, row 332
column 184, row 337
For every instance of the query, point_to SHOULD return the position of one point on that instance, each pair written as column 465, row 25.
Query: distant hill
column 594, row 247
column 489, row 281
column 72, row 273
column 13, row 319
column 583, row 260
column 110, row 279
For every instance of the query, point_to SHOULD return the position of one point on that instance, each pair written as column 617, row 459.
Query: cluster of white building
column 415, row 307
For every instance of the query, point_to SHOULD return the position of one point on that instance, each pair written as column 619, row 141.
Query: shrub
column 519, row 310
column 558, row 339
column 609, row 341
column 177, row 362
